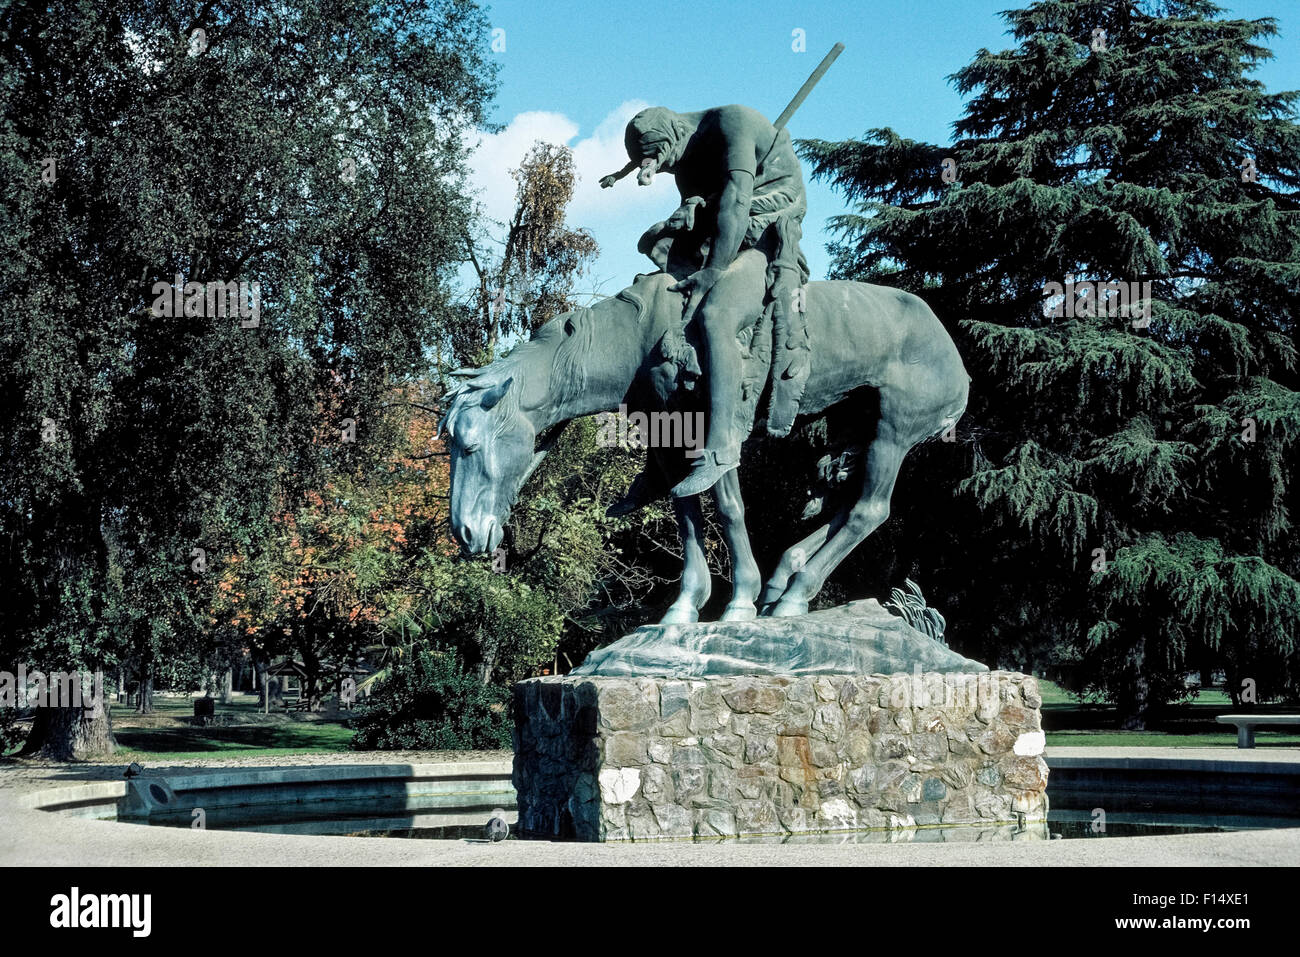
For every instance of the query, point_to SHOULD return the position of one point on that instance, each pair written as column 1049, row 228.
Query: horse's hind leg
column 883, row 460
column 696, row 581
column 794, row 559
column 745, row 578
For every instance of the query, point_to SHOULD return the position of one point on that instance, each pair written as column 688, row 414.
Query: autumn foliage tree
column 338, row 562
column 364, row 560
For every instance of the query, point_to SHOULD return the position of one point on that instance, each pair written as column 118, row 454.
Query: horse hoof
column 739, row 611
column 680, row 616
column 789, row 609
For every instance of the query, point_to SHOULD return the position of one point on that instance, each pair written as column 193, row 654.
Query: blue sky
column 573, row 71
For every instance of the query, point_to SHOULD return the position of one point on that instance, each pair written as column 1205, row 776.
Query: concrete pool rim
column 42, row 837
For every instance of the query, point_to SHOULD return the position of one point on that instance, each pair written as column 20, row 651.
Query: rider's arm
column 736, row 125
column 733, row 218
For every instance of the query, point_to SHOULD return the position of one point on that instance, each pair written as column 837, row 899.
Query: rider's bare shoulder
column 741, row 121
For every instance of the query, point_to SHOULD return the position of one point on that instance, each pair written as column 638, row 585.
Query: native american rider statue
column 735, row 238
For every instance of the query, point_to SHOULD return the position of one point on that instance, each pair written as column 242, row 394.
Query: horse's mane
column 567, row 379
column 490, row 375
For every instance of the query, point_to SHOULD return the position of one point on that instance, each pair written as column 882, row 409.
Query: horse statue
column 878, row 353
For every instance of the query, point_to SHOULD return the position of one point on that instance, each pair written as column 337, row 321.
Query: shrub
column 430, row 703
column 12, row 732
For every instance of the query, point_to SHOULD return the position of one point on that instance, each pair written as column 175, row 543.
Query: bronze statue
column 731, row 280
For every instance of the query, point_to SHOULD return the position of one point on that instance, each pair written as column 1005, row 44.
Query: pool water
column 1080, row 824
column 368, row 821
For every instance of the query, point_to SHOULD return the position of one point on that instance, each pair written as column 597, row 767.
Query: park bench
column 1246, row 724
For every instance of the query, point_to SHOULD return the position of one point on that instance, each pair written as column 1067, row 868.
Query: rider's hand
column 607, row 181
column 684, row 217
column 697, row 284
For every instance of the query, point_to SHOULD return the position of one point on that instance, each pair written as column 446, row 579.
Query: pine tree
column 1129, row 462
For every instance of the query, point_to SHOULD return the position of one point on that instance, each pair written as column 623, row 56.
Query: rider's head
column 659, row 134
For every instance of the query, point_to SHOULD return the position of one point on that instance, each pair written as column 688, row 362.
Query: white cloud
column 616, row 217
column 497, row 154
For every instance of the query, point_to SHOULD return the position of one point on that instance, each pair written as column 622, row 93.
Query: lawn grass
column 232, row 742
column 1147, row 739
column 183, row 707
column 1054, row 694
column 255, row 735
column 1069, row 721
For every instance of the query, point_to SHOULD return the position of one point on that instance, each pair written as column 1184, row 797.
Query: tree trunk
column 487, row 663
column 144, row 703
column 1135, row 700
column 1232, row 686
column 311, row 664
column 228, row 687
column 311, row 696
column 71, row 734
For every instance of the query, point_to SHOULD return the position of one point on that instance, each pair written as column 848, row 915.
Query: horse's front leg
column 745, row 577
column 697, row 584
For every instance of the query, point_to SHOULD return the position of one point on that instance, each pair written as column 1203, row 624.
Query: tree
column 607, row 576
column 531, row 279
column 337, row 564
column 309, row 155
column 351, row 567
column 1132, row 473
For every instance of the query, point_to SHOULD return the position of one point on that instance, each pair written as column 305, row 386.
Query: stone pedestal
column 613, row 759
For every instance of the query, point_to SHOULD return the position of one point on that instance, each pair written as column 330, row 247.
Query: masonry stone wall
column 609, row 759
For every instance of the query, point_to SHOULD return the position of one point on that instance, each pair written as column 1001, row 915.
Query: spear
column 802, row 95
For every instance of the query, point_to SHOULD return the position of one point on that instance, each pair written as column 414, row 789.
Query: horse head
column 491, row 445
column 579, row 362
